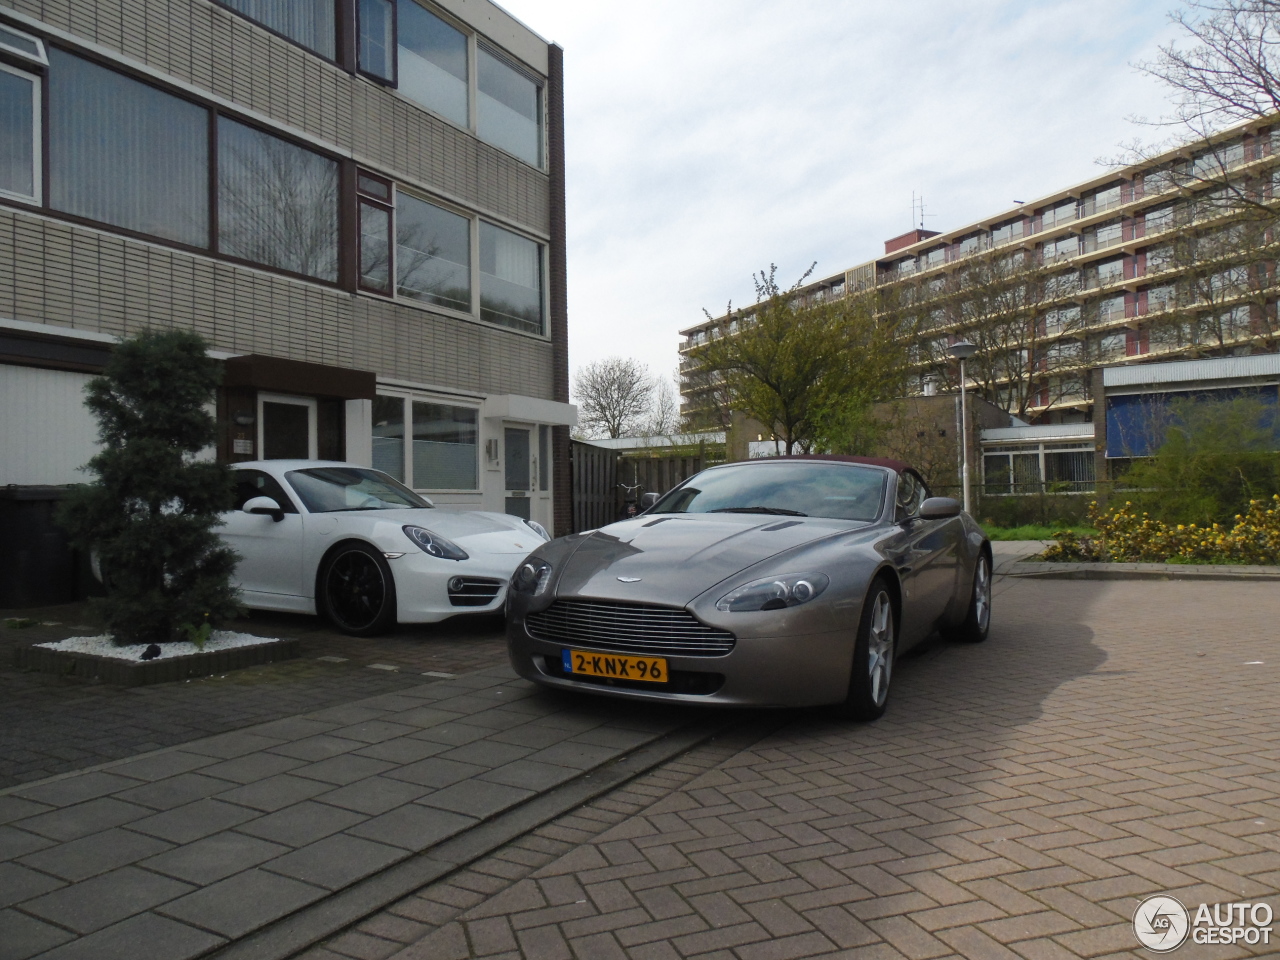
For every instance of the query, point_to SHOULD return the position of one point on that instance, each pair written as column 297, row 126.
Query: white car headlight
column 539, row 529
column 531, row 577
column 774, row 593
column 435, row 544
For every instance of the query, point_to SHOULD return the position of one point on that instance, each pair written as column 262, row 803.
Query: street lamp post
column 962, row 350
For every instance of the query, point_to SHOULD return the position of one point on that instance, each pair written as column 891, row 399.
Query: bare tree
column 663, row 416
column 614, row 396
column 1231, row 72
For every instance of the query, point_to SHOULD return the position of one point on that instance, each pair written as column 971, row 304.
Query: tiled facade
column 80, row 280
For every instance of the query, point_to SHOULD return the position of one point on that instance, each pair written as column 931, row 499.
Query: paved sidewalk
column 51, row 725
column 1110, row 741
column 190, row 847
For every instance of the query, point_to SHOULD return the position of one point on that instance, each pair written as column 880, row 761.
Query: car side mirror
column 264, row 505
column 939, row 508
column 647, row 500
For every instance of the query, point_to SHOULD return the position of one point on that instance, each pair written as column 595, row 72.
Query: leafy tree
column 151, row 511
column 811, row 370
column 1217, row 455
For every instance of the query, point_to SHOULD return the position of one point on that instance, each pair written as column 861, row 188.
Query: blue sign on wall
column 1137, row 423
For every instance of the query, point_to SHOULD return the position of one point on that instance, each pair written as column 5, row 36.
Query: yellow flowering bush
column 1124, row 535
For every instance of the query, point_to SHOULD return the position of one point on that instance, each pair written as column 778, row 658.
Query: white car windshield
column 334, row 489
column 841, row 491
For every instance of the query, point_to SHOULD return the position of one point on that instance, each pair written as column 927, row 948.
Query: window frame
column 214, row 111
column 473, row 251
column 392, row 82
column 408, row 398
column 338, row 5
column 539, row 83
column 37, row 78
column 363, row 198
column 543, row 292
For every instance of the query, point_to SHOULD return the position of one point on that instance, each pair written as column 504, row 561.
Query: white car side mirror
column 264, row 505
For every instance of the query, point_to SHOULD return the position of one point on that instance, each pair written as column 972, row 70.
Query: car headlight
column 774, row 593
column 539, row 529
column 435, row 544
column 531, row 577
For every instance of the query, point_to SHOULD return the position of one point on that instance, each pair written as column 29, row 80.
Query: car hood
column 673, row 558
column 476, row 531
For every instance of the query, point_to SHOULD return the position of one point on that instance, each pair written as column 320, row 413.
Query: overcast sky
column 706, row 139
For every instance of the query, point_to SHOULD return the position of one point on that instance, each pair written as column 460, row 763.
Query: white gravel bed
column 104, row 646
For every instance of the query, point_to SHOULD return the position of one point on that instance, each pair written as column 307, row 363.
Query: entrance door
column 288, row 427
column 518, row 472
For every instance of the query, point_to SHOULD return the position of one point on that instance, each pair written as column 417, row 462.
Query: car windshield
column 332, row 489
column 841, row 491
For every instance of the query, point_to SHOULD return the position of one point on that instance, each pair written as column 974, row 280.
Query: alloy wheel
column 356, row 589
column 880, row 648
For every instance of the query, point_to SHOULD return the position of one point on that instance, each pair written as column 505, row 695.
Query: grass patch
column 1035, row 531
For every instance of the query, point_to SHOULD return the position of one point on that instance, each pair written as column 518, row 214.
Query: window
column 277, row 202
column 1111, row 346
column 1061, row 213
column 124, row 153
column 432, row 62
column 28, row 48
column 445, row 447
column 1160, row 298
column 374, row 195
column 1111, row 270
column 309, row 23
column 1067, row 246
column 1105, row 234
column 255, row 483
column 911, row 493
column 388, row 436
column 1006, row 232
column 508, row 108
column 1111, row 309
column 377, row 39
column 433, row 254
column 1159, row 218
column 510, row 279
column 19, row 135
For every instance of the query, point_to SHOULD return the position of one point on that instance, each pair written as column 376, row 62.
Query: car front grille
column 631, row 628
column 473, row 591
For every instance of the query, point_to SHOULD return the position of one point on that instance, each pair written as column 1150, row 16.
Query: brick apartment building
column 1168, row 259
column 358, row 203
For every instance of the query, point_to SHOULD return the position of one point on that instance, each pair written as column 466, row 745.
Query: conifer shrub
column 150, row 513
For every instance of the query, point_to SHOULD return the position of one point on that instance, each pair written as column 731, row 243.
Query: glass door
column 518, row 471
column 286, row 427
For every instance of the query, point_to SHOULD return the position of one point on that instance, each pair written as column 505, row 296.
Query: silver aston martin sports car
column 788, row 581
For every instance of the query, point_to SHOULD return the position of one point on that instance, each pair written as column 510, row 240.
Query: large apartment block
column 1168, row 259
column 358, row 203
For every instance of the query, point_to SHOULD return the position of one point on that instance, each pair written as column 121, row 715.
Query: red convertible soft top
column 897, row 466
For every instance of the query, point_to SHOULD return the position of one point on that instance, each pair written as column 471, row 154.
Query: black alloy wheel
column 357, row 591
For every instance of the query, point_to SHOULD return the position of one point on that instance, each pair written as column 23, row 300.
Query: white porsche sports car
column 358, row 547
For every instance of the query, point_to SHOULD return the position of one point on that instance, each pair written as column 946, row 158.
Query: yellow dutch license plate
column 617, row 666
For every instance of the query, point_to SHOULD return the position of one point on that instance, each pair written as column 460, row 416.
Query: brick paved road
column 1111, row 740
column 51, row 725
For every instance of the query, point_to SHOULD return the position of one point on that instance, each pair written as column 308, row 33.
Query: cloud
column 706, row 140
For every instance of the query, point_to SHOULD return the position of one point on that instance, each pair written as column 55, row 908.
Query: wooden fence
column 600, row 475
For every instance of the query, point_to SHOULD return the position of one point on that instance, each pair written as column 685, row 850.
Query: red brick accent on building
column 907, row 239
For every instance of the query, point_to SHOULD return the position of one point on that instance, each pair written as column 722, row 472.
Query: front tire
column 357, row 592
column 873, row 654
column 977, row 618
